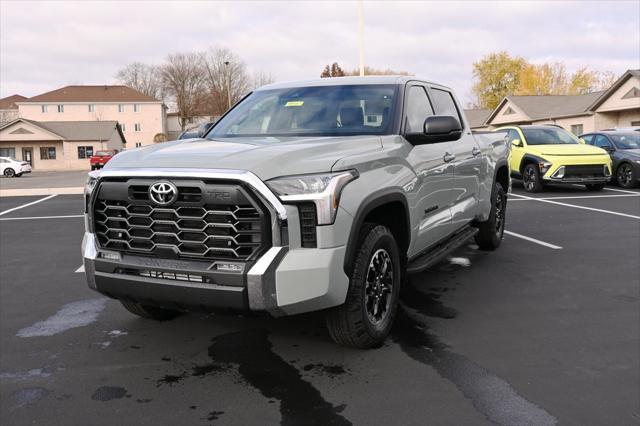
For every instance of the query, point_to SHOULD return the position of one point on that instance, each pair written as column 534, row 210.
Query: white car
column 13, row 168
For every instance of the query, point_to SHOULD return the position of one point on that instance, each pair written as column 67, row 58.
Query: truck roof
column 346, row 81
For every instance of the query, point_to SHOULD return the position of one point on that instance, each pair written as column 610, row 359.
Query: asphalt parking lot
column 545, row 330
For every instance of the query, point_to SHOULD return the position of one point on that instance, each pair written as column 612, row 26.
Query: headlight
column 91, row 182
column 544, row 166
column 321, row 189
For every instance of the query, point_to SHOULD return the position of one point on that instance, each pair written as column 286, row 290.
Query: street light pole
column 361, row 34
column 226, row 63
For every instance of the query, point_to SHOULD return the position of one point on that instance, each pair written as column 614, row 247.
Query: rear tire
column 491, row 231
column 151, row 312
column 366, row 317
column 626, row 176
column 9, row 172
column 531, row 178
column 595, row 186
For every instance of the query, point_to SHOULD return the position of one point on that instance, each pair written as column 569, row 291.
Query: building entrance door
column 27, row 154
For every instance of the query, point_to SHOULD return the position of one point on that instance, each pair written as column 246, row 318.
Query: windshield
column 548, row 136
column 312, row 111
column 626, row 141
column 103, row 153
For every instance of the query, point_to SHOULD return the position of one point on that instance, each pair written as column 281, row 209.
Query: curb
column 41, row 191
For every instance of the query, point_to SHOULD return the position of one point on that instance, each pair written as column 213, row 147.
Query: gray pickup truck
column 314, row 195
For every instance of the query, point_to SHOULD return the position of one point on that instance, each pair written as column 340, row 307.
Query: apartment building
column 142, row 118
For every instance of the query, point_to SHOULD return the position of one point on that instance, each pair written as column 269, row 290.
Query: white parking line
column 533, row 240
column 578, row 207
column 581, row 197
column 622, row 190
column 80, row 269
column 40, row 217
column 27, row 205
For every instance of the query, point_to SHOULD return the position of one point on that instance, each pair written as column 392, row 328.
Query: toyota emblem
column 163, row 193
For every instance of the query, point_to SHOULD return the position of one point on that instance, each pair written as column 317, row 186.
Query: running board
column 438, row 252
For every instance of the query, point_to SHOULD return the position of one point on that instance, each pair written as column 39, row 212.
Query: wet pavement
column 528, row 334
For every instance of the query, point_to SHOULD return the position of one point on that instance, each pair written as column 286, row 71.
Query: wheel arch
column 529, row 158
column 387, row 207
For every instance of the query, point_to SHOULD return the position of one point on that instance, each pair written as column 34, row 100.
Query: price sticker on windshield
column 294, row 104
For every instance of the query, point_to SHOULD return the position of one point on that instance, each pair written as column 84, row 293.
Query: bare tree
column 261, row 78
column 144, row 78
column 183, row 78
column 332, row 70
column 225, row 78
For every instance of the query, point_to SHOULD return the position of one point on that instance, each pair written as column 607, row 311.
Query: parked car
column 197, row 132
column 624, row 149
column 325, row 200
column 550, row 154
column 100, row 158
column 11, row 167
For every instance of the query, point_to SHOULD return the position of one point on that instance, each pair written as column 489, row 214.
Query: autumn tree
column 497, row 75
column 332, row 70
column 144, row 78
column 183, row 78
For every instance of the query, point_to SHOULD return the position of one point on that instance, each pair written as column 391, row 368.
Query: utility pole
column 361, row 34
column 226, row 63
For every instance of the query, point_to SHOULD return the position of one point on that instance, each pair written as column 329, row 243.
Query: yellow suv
column 549, row 154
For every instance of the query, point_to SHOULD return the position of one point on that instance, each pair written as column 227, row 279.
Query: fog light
column 110, row 255
column 559, row 173
column 607, row 172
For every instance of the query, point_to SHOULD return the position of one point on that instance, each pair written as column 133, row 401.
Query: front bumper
column 281, row 282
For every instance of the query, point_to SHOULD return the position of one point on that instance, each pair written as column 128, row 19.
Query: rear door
column 432, row 195
column 467, row 162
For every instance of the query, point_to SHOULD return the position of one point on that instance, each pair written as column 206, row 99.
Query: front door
column 27, row 155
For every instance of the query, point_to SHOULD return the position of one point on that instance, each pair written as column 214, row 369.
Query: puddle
column 259, row 366
column 72, row 315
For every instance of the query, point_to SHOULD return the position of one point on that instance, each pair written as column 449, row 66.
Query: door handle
column 448, row 157
column 475, row 151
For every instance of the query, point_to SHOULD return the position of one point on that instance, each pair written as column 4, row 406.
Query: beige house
column 619, row 106
column 9, row 109
column 141, row 117
column 173, row 123
column 58, row 145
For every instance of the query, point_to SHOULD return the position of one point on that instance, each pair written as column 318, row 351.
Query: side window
column 602, row 142
column 588, row 139
column 418, row 109
column 444, row 103
column 512, row 135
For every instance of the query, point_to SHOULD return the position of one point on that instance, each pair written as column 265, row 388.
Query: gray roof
column 541, row 107
column 79, row 130
column 337, row 81
column 477, row 117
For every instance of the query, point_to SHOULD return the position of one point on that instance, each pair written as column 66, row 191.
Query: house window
column 577, row 129
column 138, row 144
column 137, row 127
column 633, row 93
column 85, row 151
column 122, row 127
column 509, row 111
column 47, row 153
column 8, row 152
column 136, row 108
column 92, row 108
column 120, row 108
column 45, row 108
column 60, row 108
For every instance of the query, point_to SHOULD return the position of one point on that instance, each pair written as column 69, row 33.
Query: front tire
column 626, row 176
column 595, row 186
column 366, row 317
column 491, row 231
column 531, row 178
column 18, row 174
column 151, row 312
column 9, row 172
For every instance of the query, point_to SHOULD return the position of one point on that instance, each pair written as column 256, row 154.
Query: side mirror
column 581, row 141
column 608, row 148
column 437, row 128
column 517, row 142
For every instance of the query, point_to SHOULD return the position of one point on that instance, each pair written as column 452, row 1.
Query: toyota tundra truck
column 306, row 196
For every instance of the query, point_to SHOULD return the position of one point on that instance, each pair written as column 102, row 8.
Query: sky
column 47, row 45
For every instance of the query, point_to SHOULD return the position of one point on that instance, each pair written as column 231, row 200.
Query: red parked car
column 101, row 158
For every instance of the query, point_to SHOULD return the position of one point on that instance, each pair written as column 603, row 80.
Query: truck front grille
column 199, row 225
column 584, row 171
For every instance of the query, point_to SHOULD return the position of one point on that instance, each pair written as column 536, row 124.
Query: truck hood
column 565, row 149
column 265, row 157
